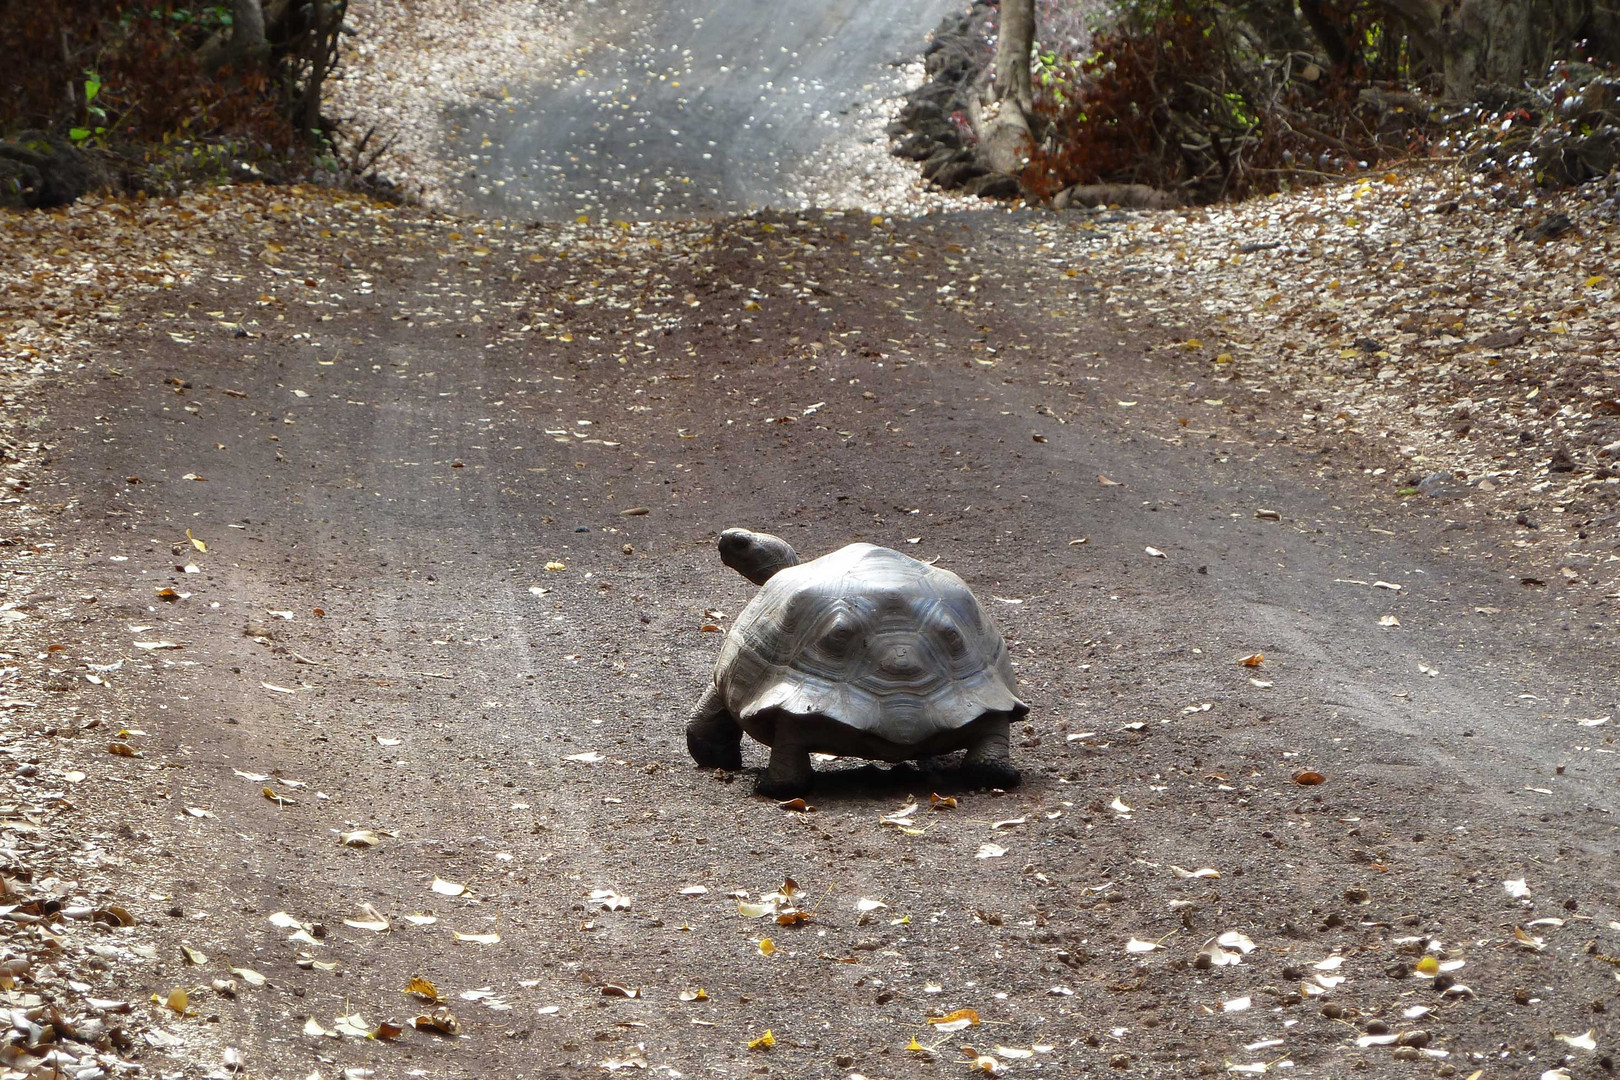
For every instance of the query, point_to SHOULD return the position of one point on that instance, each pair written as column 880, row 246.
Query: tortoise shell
column 872, row 639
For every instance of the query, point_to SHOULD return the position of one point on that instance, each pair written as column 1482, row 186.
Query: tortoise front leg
column 989, row 759
column 789, row 774
column 713, row 736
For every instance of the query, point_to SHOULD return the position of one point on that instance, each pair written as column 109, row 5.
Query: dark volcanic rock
column 42, row 170
column 958, row 173
column 995, row 185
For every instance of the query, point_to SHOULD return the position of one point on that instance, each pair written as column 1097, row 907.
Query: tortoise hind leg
column 989, row 759
column 713, row 736
column 789, row 774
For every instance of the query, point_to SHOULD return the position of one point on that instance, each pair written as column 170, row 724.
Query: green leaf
column 78, row 135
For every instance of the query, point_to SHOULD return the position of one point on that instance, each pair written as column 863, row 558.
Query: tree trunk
column 248, row 49
column 317, row 71
column 1503, row 42
column 1327, row 31
column 1005, row 141
column 1014, row 41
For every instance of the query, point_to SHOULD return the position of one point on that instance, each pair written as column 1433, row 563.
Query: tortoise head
column 756, row 556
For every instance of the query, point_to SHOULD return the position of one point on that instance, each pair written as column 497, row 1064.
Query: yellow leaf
column 1429, row 965
column 767, row 947
column 423, row 989
column 177, row 1000
column 955, row 1021
column 194, row 956
column 1594, row 281
column 699, row 994
column 555, row 565
column 1194, row 343
column 764, row 1042
column 916, row 1047
column 196, row 543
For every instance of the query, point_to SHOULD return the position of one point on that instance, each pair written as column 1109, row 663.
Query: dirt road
column 677, row 110
column 458, row 488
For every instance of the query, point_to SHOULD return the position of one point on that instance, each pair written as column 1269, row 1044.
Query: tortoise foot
column 994, row 774
column 714, row 753
column 780, row 789
column 713, row 736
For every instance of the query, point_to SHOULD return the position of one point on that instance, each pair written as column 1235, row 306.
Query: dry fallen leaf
column 767, row 947
column 439, row 1021
column 447, row 888
column 1308, row 778
column 1213, row 954
column 955, row 1021
column 367, row 917
column 476, row 939
column 359, row 838
column 764, row 1042
column 610, row 899
column 422, row 988
column 1253, row 660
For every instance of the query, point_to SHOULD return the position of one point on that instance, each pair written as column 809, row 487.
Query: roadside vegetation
column 153, row 96
column 1220, row 99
